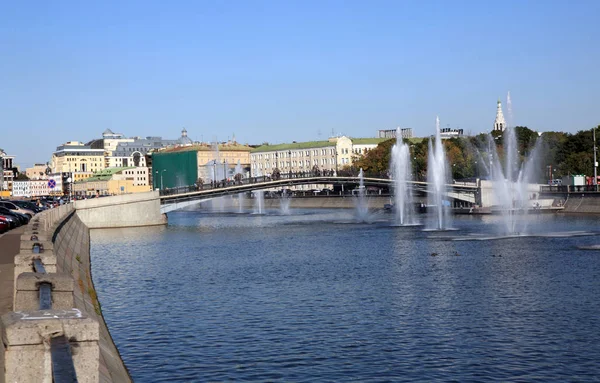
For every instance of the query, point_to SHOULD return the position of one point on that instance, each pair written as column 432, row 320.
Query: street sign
column 51, row 184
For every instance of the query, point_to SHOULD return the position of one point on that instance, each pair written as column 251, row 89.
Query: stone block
column 26, row 344
column 28, row 245
column 27, row 296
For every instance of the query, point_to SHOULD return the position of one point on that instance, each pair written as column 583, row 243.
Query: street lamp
column 224, row 171
column 161, row 177
column 290, row 162
column 214, row 173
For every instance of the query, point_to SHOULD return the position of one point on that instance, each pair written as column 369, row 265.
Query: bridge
column 178, row 198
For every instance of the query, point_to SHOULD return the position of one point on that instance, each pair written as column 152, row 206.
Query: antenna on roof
column 319, row 133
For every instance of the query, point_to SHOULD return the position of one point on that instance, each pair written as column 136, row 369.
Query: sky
column 282, row 71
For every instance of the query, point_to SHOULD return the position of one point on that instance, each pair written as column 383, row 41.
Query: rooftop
column 207, row 148
column 294, row 145
column 105, row 174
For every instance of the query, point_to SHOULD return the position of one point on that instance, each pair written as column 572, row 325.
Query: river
column 314, row 296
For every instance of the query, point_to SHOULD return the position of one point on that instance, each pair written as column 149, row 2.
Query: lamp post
column 161, row 177
column 214, row 172
column 595, row 161
column 290, row 162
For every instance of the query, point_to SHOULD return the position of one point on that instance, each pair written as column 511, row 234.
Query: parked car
column 11, row 221
column 27, row 205
column 23, row 219
column 11, row 206
column 4, row 226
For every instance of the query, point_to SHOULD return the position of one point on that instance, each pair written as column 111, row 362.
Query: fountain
column 362, row 205
column 436, row 179
column 259, row 201
column 401, row 171
column 511, row 183
column 284, row 204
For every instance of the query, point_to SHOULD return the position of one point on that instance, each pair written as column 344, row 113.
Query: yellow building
column 114, row 181
column 75, row 157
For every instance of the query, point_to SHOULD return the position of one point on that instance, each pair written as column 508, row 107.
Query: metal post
column 595, row 162
column 214, row 173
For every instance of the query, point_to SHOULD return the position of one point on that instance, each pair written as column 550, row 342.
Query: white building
column 30, row 188
column 446, row 133
column 393, row 133
column 499, row 123
column 331, row 155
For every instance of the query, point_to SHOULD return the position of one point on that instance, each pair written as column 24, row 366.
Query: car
column 27, row 205
column 4, row 225
column 11, row 206
column 22, row 218
column 11, row 221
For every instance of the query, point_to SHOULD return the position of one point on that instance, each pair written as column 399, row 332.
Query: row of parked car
column 16, row 213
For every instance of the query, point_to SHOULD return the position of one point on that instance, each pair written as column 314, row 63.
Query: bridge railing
column 248, row 181
column 568, row 188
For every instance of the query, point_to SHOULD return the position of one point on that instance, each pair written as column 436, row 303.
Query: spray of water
column 437, row 179
column 401, row 171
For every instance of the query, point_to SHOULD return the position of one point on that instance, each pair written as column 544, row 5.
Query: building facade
column 199, row 163
column 393, row 133
column 37, row 172
column 75, row 157
column 329, row 156
column 114, row 181
column 446, row 133
column 30, row 188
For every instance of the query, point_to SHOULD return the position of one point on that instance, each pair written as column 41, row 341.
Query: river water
column 316, row 297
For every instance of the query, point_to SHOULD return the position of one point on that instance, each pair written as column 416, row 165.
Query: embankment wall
column 127, row 210
column 582, row 204
column 72, row 250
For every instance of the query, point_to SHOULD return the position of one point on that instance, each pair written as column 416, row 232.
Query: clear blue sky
column 279, row 71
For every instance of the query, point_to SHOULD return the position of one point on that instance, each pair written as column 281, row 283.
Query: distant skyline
column 280, row 71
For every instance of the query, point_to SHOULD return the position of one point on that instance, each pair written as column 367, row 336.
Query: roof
column 105, row 174
column 295, row 145
column 206, row 148
column 108, row 131
column 368, row 141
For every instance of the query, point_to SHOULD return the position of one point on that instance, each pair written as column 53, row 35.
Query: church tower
column 499, row 124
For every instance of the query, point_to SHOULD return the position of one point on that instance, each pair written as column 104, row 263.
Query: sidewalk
column 10, row 243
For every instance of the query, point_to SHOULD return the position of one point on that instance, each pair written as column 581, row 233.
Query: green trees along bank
column 558, row 154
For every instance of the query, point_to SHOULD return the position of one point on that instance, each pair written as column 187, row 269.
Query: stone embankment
column 55, row 251
column 325, row 202
column 582, row 204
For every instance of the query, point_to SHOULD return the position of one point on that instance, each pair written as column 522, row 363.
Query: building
column 7, row 174
column 76, row 158
column 446, row 133
column 111, row 140
column 188, row 165
column 37, row 172
column 361, row 146
column 499, row 123
column 30, row 188
column 393, row 133
column 133, row 153
column 113, row 181
column 330, row 155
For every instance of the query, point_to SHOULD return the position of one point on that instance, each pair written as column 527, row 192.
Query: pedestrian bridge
column 179, row 198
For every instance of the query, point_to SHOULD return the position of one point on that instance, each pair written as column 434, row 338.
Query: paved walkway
column 10, row 243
